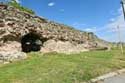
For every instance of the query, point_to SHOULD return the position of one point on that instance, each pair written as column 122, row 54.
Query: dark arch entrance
column 31, row 42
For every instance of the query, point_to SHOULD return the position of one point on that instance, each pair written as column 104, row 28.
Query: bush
column 18, row 6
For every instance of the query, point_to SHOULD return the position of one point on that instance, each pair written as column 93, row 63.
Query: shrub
column 18, row 6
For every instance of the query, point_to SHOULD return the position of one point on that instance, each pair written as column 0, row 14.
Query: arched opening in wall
column 31, row 42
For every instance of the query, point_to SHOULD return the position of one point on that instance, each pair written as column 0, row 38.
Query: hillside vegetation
column 18, row 6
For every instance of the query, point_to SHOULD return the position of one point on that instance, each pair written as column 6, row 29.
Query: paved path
column 116, row 79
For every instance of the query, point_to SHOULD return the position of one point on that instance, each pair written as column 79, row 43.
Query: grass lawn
column 62, row 68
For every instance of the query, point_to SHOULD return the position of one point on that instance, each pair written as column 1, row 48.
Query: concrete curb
column 105, row 76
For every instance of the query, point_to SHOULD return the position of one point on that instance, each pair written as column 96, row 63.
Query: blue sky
column 98, row 16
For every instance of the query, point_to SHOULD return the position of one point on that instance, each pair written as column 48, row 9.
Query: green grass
column 62, row 68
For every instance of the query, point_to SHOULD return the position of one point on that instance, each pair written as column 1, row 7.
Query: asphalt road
column 116, row 79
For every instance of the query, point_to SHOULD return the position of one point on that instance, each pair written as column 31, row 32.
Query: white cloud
column 51, row 4
column 112, row 19
column 17, row 1
column 119, row 11
column 77, row 24
column 61, row 10
column 113, row 24
column 115, row 13
column 110, row 30
column 118, row 22
column 88, row 29
column 92, row 29
column 81, row 26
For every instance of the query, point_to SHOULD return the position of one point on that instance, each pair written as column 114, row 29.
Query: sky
column 99, row 16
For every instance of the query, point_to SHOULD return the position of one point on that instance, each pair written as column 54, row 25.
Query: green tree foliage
column 17, row 5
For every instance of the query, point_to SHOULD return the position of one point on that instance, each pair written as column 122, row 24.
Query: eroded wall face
column 14, row 24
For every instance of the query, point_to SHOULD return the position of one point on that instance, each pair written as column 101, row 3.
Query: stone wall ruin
column 21, row 31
